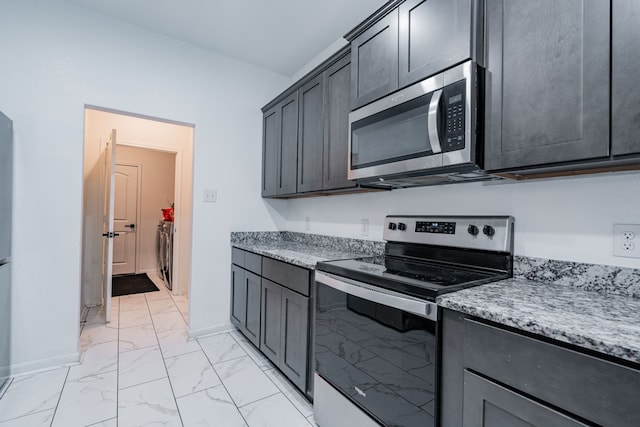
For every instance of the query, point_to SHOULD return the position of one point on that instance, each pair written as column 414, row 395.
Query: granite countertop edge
column 607, row 324
column 302, row 254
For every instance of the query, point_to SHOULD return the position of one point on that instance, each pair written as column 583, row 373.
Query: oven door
column 378, row 348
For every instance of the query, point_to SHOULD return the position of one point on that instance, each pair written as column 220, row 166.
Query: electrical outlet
column 307, row 223
column 626, row 242
column 210, row 196
column 364, row 224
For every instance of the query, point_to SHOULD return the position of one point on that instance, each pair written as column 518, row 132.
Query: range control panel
column 435, row 227
column 493, row 233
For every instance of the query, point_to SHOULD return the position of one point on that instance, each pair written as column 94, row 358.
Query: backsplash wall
column 563, row 218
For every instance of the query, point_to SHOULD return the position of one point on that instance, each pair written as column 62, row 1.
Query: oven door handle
column 419, row 307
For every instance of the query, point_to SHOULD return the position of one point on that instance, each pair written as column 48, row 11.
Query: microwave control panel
column 454, row 102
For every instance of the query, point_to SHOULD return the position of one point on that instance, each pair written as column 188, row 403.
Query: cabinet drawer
column 288, row 275
column 592, row 388
column 237, row 257
column 247, row 260
column 253, row 262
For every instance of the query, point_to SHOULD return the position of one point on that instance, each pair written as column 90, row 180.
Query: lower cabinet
column 496, row 377
column 285, row 330
column 245, row 302
column 487, row 404
column 272, row 310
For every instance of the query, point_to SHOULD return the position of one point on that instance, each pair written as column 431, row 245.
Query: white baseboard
column 197, row 333
column 45, row 364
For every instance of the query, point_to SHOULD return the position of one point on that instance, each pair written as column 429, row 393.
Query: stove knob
column 392, row 226
column 402, row 226
column 488, row 230
column 473, row 230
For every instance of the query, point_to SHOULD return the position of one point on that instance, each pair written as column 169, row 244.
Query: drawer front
column 253, row 262
column 592, row 388
column 288, row 275
column 237, row 257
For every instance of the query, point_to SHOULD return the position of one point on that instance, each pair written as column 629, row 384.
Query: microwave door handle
column 432, row 121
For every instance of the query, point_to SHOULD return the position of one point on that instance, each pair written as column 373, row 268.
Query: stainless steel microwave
column 424, row 134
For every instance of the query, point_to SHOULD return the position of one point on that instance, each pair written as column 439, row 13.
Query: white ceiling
column 281, row 35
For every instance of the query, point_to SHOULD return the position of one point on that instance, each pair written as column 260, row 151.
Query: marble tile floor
column 141, row 370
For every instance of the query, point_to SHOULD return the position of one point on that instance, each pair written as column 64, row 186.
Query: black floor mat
column 131, row 284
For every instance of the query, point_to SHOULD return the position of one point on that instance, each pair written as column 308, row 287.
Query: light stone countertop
column 608, row 323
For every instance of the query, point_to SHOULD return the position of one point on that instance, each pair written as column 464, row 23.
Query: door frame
column 138, row 204
column 184, row 150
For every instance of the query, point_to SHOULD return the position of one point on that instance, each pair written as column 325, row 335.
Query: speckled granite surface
column 304, row 250
column 608, row 323
column 591, row 277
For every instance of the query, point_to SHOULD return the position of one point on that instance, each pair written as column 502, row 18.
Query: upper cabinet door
column 310, row 138
column 374, row 61
column 625, row 128
column 336, row 125
column 288, row 153
column 434, row 35
column 547, row 82
column 270, row 150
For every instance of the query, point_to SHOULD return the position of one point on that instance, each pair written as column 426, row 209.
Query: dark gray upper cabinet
column 6, row 179
column 337, row 81
column 280, row 147
column 625, row 67
column 547, row 82
column 318, row 163
column 374, row 61
column 310, row 137
column 288, row 158
column 434, row 35
column 270, row 151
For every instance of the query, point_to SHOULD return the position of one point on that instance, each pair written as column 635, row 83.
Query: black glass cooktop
column 419, row 278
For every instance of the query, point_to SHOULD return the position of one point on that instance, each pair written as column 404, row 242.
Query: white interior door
column 107, row 226
column 125, row 219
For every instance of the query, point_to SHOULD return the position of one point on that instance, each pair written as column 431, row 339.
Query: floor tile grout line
column 118, row 365
column 28, row 415
column 285, row 393
column 222, row 382
column 164, row 363
column 55, row 411
column 270, row 379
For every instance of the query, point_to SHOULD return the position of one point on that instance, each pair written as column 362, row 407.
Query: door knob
column 130, row 225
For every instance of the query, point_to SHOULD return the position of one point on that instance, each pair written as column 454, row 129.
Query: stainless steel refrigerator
column 6, row 180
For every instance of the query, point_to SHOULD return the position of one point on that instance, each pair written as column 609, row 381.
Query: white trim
column 36, row 366
column 198, row 333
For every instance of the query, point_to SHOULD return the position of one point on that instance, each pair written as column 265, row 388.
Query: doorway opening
column 147, row 167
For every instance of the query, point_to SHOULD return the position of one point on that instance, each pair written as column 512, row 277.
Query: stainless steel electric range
column 376, row 330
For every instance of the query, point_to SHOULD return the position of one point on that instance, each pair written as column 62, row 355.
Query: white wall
column 57, row 58
column 157, row 170
column 565, row 218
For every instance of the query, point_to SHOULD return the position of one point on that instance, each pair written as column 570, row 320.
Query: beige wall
column 157, row 175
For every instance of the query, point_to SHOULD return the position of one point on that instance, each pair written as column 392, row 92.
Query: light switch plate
column 626, row 240
column 210, row 196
